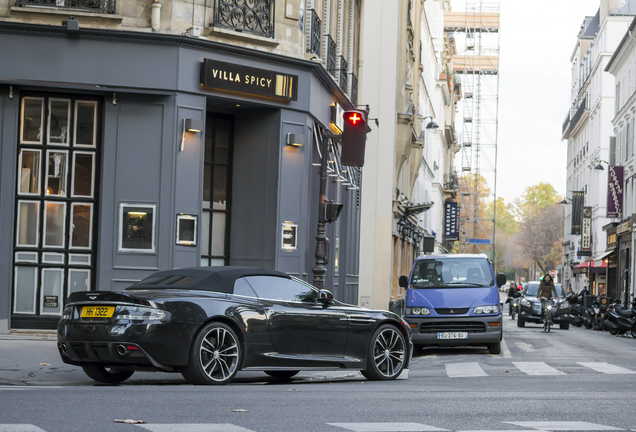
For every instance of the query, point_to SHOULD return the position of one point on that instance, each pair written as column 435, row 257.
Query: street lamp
column 432, row 125
column 565, row 200
column 599, row 167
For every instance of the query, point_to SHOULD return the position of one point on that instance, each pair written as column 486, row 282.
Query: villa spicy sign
column 614, row 191
column 243, row 79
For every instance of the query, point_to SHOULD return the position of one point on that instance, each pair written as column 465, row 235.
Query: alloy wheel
column 219, row 354
column 388, row 352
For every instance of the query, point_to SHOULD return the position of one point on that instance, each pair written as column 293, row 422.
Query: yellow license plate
column 97, row 311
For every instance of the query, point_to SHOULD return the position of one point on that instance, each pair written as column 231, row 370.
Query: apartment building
column 139, row 136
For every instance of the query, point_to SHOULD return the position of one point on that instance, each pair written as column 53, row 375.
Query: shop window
column 85, row 120
column 51, row 291
column 26, row 279
column 83, row 174
column 59, row 115
column 28, row 223
column 137, row 228
column 56, row 173
column 31, row 124
column 81, row 225
column 54, row 227
column 29, row 179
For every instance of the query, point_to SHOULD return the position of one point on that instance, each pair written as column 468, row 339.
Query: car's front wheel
column 494, row 348
column 101, row 373
column 386, row 354
column 214, row 357
column 520, row 321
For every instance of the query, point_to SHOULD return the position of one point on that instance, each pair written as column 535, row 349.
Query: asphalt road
column 574, row 380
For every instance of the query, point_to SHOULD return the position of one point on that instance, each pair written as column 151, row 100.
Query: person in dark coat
column 546, row 288
column 513, row 292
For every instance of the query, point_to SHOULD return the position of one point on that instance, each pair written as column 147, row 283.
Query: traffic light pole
column 319, row 269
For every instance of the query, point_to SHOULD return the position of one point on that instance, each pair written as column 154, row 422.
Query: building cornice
column 180, row 41
column 620, row 45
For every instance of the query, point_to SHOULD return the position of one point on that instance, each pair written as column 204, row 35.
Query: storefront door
column 56, row 216
column 217, row 192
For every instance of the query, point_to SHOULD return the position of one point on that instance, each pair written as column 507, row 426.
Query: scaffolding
column 474, row 24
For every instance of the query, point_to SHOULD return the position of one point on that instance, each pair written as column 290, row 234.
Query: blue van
column 453, row 300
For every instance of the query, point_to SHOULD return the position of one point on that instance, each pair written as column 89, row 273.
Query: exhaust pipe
column 122, row 350
column 63, row 348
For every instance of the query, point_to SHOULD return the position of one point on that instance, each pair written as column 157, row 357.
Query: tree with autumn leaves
column 530, row 229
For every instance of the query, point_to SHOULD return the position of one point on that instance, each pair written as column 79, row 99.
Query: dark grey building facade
column 119, row 157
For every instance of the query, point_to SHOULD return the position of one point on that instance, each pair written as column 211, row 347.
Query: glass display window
column 137, row 228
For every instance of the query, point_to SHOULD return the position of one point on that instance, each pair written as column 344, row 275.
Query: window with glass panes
column 55, row 217
column 217, row 191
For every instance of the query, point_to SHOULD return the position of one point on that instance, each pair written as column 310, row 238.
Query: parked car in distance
column 453, row 300
column 210, row 322
column 529, row 309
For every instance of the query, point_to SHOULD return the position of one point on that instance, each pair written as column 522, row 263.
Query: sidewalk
column 35, row 360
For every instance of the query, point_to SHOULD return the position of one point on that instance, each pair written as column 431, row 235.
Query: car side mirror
column 404, row 281
column 325, row 297
column 501, row 279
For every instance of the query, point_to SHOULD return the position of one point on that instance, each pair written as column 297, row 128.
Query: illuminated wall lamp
column 190, row 125
column 295, row 140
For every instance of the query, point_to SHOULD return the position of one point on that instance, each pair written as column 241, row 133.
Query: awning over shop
column 584, row 266
column 599, row 261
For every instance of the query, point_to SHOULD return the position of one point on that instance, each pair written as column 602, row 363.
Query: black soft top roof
column 217, row 279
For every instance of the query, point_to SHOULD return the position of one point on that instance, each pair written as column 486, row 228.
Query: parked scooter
column 576, row 309
column 620, row 320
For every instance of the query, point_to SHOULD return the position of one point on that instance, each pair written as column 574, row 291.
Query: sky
column 536, row 41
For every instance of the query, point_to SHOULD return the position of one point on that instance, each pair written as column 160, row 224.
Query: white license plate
column 452, row 335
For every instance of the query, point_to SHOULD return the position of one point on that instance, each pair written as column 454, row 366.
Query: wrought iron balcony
column 354, row 89
column 331, row 55
column 313, row 32
column 253, row 16
column 99, row 6
column 344, row 71
column 450, row 182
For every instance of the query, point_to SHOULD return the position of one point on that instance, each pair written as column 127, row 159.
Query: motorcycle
column 513, row 304
column 620, row 320
column 576, row 309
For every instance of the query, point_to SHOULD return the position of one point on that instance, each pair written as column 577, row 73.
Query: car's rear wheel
column 520, row 321
column 104, row 374
column 494, row 348
column 282, row 374
column 386, row 354
column 214, row 357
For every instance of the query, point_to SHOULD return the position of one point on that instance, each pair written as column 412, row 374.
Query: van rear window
column 452, row 273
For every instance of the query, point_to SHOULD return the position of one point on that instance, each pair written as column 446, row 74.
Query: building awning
column 584, row 266
column 599, row 261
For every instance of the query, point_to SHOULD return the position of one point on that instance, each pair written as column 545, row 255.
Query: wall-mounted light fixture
column 296, row 140
column 599, row 167
column 190, row 125
column 432, row 125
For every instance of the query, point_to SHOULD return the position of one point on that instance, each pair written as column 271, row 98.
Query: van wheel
column 564, row 326
column 494, row 348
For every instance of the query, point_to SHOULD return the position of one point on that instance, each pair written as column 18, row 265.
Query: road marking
column 386, row 427
column 20, row 428
column 2, row 388
column 523, row 346
column 537, row 368
column 505, row 350
column 607, row 368
column 462, row 370
column 194, row 427
column 564, row 426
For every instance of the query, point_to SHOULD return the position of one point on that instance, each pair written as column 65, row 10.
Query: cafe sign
column 586, row 231
column 253, row 81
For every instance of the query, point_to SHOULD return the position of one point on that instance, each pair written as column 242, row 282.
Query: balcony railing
column 354, row 89
column 313, row 33
column 450, row 182
column 574, row 115
column 579, row 112
column 566, row 124
column 331, row 56
column 255, row 16
column 344, row 74
column 100, row 6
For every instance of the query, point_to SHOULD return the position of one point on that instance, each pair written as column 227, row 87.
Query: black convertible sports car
column 210, row 322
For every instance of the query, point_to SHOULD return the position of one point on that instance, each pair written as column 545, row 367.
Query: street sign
column 522, row 279
column 553, row 273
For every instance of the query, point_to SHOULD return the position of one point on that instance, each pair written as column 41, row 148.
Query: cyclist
column 546, row 288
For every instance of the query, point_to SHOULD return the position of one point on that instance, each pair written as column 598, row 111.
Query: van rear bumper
column 479, row 330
